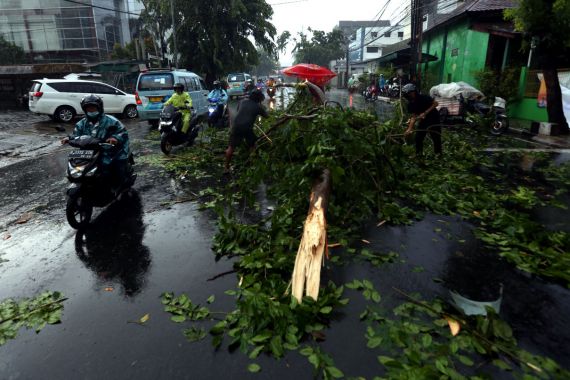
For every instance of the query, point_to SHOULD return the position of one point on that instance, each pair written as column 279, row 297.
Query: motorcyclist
column 248, row 87
column 181, row 100
column 423, row 108
column 382, row 84
column 218, row 93
column 105, row 127
column 270, row 82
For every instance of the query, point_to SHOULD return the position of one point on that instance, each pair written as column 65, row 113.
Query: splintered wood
column 307, row 272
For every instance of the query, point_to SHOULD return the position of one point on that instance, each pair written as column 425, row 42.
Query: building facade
column 67, row 31
column 369, row 41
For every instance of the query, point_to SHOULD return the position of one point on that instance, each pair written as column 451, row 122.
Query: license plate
column 155, row 99
column 236, row 85
column 82, row 154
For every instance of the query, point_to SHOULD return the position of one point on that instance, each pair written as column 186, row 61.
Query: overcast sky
column 325, row 14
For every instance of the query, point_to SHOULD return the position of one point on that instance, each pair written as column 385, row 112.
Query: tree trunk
column 554, row 98
column 307, row 272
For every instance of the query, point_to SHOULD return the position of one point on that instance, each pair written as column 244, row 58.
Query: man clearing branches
column 422, row 109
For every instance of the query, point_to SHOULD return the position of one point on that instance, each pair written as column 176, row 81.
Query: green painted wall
column 465, row 54
column 527, row 109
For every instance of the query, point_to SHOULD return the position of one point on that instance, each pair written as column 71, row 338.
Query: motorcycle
column 170, row 128
column 501, row 123
column 220, row 121
column 91, row 186
column 371, row 93
column 271, row 92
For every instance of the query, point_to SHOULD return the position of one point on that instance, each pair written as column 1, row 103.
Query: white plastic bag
column 455, row 90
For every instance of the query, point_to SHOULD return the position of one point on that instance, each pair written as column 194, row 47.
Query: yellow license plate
column 155, row 99
column 236, row 85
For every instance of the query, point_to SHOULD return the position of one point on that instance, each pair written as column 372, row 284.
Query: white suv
column 61, row 98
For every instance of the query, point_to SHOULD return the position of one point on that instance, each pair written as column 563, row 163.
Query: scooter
column 500, row 123
column 271, row 92
column 220, row 121
column 170, row 128
column 91, row 186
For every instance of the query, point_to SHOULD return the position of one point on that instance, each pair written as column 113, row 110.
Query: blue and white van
column 155, row 87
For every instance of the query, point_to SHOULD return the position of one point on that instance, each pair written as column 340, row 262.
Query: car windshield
column 149, row 82
column 236, row 78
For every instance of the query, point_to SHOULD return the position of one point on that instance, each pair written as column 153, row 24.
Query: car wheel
column 130, row 111
column 64, row 114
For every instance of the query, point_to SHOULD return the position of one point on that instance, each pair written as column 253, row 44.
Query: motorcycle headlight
column 76, row 171
column 169, row 122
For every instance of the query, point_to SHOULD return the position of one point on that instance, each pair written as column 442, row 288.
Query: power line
column 406, row 10
column 100, row 7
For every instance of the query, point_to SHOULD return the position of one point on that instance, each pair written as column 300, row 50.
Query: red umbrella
column 313, row 73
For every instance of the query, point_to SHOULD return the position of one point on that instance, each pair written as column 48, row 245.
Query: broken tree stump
column 307, row 273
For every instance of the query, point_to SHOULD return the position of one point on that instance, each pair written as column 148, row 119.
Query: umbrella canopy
column 313, row 73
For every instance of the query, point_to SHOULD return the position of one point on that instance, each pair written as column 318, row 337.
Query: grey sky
column 325, row 14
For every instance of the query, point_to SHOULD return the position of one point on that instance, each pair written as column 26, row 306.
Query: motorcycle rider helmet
column 217, row 84
column 178, row 86
column 256, row 96
column 92, row 100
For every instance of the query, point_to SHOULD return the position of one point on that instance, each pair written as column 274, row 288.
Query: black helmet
column 217, row 84
column 178, row 85
column 256, row 96
column 92, row 100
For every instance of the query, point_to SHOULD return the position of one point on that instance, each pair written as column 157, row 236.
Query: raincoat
column 183, row 102
column 104, row 128
column 220, row 94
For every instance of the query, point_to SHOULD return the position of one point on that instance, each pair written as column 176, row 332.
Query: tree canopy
column 266, row 65
column 10, row 54
column 218, row 36
column 321, row 48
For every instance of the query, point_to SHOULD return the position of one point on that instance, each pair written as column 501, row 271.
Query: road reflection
column 112, row 246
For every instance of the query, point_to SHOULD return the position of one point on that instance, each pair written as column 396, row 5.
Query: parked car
column 237, row 84
column 60, row 98
column 155, row 87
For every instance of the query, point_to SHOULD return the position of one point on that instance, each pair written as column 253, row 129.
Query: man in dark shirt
column 422, row 108
column 242, row 129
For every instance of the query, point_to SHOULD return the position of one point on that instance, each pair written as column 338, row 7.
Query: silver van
column 156, row 87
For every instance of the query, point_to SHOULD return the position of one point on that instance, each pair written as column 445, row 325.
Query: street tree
column 154, row 22
column 320, row 49
column 546, row 21
column 10, row 54
column 282, row 42
column 219, row 36
column 267, row 64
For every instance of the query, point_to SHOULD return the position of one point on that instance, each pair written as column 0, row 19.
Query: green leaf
column 466, row 360
column 502, row 365
column 374, row 342
column 178, row 318
column 255, row 352
column 426, row 340
column 254, row 368
column 261, row 337
column 334, row 372
column 314, row 360
column 306, row 351
column 376, row 296
column 326, row 310
column 211, row 299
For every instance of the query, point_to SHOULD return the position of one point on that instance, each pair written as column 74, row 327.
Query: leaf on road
column 7, row 236
column 25, row 218
column 365, row 241
column 454, row 326
column 144, row 318
column 253, row 367
column 211, row 299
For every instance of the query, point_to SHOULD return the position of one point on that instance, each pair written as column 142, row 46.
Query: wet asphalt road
column 137, row 249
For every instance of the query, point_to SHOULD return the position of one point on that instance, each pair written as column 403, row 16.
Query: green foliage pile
column 372, row 176
column 504, row 84
column 31, row 313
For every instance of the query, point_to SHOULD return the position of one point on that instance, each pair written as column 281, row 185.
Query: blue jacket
column 105, row 127
column 221, row 94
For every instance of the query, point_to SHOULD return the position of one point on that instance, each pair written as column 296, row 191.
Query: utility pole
column 175, row 55
column 414, row 42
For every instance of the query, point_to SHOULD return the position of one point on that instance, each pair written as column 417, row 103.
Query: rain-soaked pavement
column 137, row 249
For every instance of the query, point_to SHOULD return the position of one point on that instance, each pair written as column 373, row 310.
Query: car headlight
column 76, row 171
